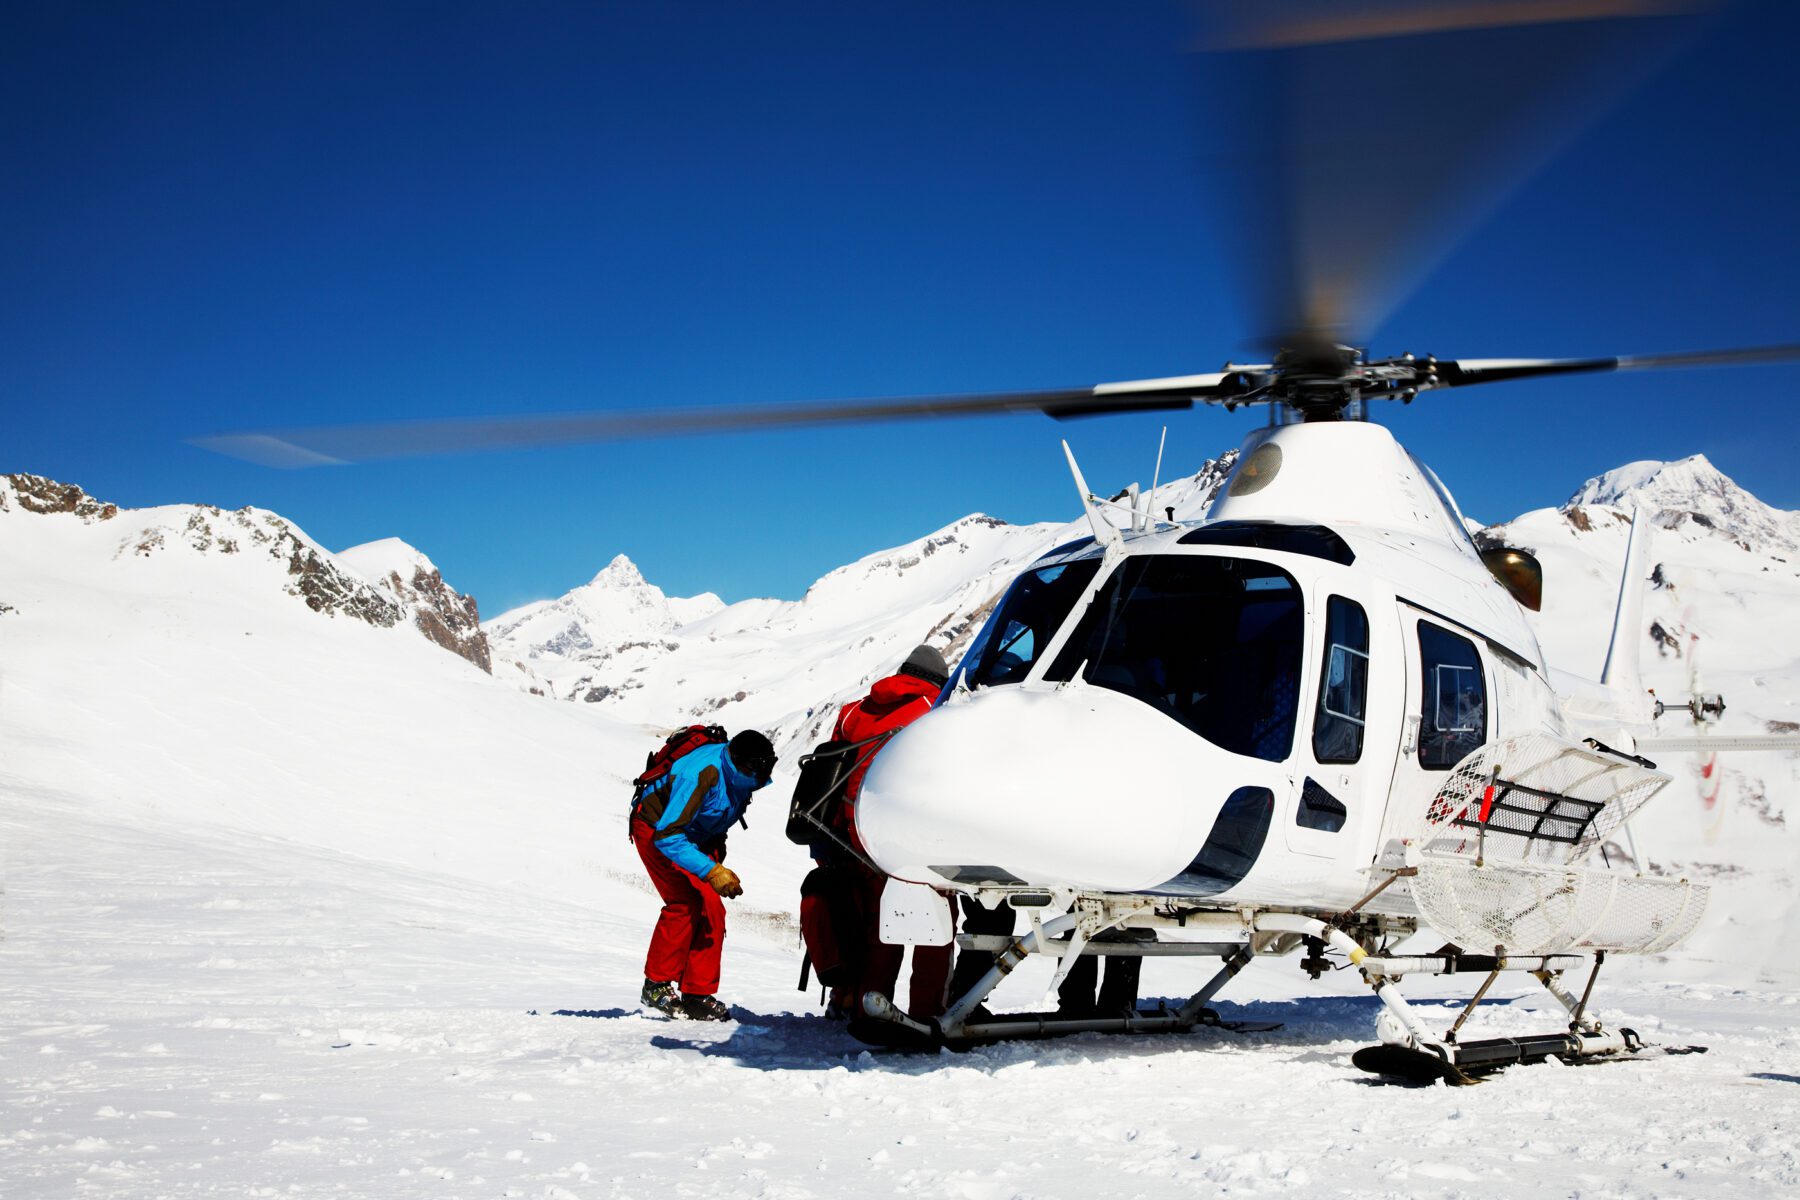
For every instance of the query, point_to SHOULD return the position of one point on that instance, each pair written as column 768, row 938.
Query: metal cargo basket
column 1506, row 845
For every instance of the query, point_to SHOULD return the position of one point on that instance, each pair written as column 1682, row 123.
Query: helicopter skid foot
column 884, row 1024
column 1460, row 1063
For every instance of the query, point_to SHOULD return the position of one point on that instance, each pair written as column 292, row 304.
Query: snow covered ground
column 189, row 1010
column 285, row 885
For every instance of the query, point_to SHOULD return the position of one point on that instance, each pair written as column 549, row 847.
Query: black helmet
column 752, row 754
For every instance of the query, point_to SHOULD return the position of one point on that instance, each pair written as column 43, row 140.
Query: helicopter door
column 1448, row 714
column 1332, row 804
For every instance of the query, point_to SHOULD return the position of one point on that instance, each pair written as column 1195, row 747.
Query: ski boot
column 704, row 1008
column 661, row 997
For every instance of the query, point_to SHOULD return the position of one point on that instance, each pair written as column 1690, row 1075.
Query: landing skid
column 1485, row 1058
column 1409, row 1051
column 893, row 1028
column 1472, row 1060
column 965, row 1023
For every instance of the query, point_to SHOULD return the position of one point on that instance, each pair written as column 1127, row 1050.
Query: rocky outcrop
column 328, row 590
column 312, row 576
column 445, row 616
column 35, row 494
column 414, row 593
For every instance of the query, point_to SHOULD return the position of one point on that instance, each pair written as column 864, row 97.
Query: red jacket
column 893, row 703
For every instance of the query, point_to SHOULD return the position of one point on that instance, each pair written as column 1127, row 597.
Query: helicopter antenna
column 1104, row 531
column 1155, row 477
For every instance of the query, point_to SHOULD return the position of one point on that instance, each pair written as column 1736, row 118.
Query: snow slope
column 197, row 1011
column 145, row 668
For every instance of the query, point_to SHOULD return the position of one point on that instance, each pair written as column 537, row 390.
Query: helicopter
column 1315, row 720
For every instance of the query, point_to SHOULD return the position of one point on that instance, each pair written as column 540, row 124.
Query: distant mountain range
column 207, row 661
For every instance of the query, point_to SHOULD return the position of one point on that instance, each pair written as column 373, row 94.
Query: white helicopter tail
column 1619, row 701
column 1621, row 669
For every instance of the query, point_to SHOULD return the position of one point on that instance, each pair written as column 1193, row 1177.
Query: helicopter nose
column 1044, row 786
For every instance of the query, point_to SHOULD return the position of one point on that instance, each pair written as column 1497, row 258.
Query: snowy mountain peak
column 1692, row 492
column 621, row 572
column 1649, row 481
column 376, row 560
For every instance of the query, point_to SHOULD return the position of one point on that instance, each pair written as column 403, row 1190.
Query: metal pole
column 1581, row 1007
column 1499, row 966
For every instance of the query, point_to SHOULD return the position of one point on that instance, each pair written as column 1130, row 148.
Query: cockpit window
column 1213, row 642
column 1033, row 610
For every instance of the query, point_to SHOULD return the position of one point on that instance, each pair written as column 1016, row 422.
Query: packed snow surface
column 300, row 903
column 200, row 1011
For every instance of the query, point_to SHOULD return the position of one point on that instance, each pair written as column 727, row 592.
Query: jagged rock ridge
column 445, row 616
column 308, row 571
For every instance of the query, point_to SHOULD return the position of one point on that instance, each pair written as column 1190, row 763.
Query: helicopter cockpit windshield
column 1034, row 609
column 1213, row 642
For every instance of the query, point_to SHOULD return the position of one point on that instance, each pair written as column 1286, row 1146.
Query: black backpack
column 819, row 792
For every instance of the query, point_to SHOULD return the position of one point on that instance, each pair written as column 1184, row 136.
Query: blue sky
column 242, row 216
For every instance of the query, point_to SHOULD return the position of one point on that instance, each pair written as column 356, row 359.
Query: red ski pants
column 881, row 962
column 689, row 938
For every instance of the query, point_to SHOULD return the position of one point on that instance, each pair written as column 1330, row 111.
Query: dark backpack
column 831, row 927
column 818, row 801
column 676, row 745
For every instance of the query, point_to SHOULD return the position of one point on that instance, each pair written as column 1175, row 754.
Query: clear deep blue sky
column 241, row 216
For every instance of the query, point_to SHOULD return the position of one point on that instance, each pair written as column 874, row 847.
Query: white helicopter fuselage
column 1236, row 713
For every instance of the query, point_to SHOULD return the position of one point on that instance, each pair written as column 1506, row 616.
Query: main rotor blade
column 1357, row 142
column 340, row 444
column 1463, row 372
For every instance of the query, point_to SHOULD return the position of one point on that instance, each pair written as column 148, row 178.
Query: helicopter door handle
column 1410, row 742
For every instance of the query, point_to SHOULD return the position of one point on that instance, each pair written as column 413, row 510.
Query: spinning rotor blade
column 1360, row 139
column 1465, row 371
column 339, row 444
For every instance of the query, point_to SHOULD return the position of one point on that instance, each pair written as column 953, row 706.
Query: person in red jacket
column 892, row 703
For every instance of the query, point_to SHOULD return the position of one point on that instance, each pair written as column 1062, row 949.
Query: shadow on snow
column 792, row 1042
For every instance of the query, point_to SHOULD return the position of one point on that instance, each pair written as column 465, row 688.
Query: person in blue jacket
column 679, row 830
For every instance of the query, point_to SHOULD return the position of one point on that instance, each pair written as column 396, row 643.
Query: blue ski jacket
column 696, row 804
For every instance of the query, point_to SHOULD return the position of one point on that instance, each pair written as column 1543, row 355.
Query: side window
column 1319, row 809
column 1454, row 694
column 1343, row 684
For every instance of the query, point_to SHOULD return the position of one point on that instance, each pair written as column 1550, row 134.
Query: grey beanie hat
column 927, row 664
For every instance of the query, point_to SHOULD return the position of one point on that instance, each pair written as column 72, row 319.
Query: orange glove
column 725, row 882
